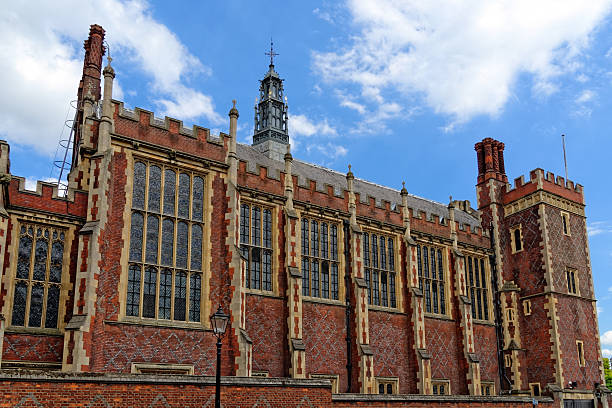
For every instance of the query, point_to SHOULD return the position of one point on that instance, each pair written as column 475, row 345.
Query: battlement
column 547, row 181
column 171, row 125
column 328, row 188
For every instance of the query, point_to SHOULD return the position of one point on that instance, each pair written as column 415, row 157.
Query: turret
column 270, row 133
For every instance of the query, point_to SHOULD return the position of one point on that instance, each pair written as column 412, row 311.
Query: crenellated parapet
column 539, row 180
column 168, row 132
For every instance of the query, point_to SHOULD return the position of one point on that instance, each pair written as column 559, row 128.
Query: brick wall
column 31, row 389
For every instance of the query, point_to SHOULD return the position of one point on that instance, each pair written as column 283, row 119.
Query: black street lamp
column 218, row 322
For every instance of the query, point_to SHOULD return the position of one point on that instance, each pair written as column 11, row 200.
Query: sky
column 401, row 90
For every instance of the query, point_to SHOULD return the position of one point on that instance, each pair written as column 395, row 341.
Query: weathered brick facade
column 327, row 276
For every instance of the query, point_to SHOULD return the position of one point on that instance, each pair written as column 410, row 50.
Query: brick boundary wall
column 35, row 389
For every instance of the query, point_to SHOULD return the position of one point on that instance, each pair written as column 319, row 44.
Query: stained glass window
column 319, row 259
column 478, row 287
column 432, row 278
column 164, row 275
column 379, row 269
column 256, row 245
column 38, row 276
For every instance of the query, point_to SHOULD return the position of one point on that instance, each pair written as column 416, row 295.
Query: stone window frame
column 396, row 270
column 513, row 239
column 446, row 275
column 533, row 387
column 487, row 305
column 508, row 360
column 527, row 307
column 320, row 218
column 437, row 382
column 572, row 281
column 178, row 165
column 274, row 248
column 333, row 378
column 9, row 278
column 580, row 352
column 160, row 368
column 565, row 224
column 487, row 386
column 510, row 315
column 386, row 382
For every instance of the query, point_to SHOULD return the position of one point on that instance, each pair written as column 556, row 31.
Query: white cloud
column 586, row 96
column 41, row 63
column 597, row 228
column 599, row 310
column 461, row 58
column 300, row 125
column 31, row 182
column 329, row 150
column 606, row 352
column 606, row 338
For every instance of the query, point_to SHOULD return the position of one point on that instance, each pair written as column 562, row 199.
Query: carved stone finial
column 233, row 111
column 404, row 191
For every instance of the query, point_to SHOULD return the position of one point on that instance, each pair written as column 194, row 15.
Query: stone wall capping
column 245, row 336
column 76, row 322
column 435, row 398
column 298, row 344
column 294, row 272
column 58, row 376
column 366, row 350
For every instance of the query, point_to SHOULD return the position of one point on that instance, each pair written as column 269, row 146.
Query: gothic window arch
column 380, row 269
column 166, row 240
column 433, row 278
column 256, row 226
column 38, row 276
column 320, row 258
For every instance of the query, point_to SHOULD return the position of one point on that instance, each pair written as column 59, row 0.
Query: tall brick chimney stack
column 92, row 64
column 490, row 155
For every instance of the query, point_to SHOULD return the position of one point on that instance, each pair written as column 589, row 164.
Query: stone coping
column 121, row 378
column 431, row 398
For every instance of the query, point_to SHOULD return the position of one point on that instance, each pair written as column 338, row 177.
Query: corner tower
column 270, row 133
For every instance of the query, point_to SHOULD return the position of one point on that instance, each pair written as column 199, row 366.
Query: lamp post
column 218, row 322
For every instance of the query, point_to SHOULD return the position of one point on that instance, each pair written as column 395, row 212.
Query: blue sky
column 400, row 90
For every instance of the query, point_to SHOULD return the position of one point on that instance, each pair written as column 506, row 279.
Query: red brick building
column 324, row 275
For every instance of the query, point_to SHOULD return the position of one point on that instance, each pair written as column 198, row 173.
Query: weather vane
column 272, row 54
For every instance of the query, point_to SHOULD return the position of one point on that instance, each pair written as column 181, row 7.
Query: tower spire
column 270, row 134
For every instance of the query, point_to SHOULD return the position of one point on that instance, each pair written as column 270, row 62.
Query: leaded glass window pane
column 334, row 280
column 267, row 269
column 267, row 228
column 36, row 305
column 24, row 256
column 196, row 247
column 198, row 199
column 334, row 242
column 325, row 279
column 184, row 195
column 165, row 293
column 138, row 191
column 180, row 296
column 195, row 294
column 133, row 294
column 315, row 278
column 478, row 287
column 378, row 260
column 154, row 188
column 149, row 292
column 55, row 268
column 324, row 241
column 152, row 238
column 169, row 191
column 182, row 242
column 19, row 304
column 53, row 295
column 40, row 257
column 305, row 277
column 167, row 245
column 136, row 237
